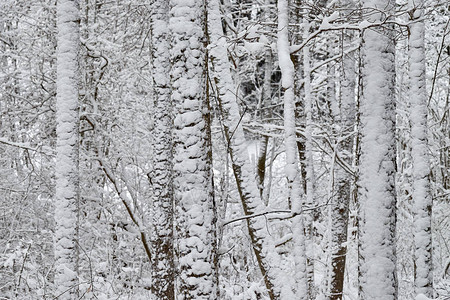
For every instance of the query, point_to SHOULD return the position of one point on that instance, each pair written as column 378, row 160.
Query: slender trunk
column 309, row 163
column 261, row 165
column 67, row 175
column 342, row 180
column 266, row 97
column 293, row 174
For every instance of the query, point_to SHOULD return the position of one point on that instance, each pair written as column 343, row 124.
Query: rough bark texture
column 162, row 210
column 67, row 175
column 192, row 170
column 421, row 194
column 377, row 218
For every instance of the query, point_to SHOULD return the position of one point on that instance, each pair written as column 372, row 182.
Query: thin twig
column 437, row 62
column 38, row 149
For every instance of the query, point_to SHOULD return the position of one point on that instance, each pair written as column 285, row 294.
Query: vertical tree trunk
column 421, row 194
column 192, row 165
column 293, row 174
column 299, row 90
column 342, row 180
column 162, row 209
column 264, row 112
column 309, row 163
column 377, row 164
column 261, row 166
column 67, row 175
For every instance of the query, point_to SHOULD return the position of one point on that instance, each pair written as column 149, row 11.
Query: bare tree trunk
column 261, row 165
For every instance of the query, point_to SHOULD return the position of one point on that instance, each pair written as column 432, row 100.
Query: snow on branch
column 126, row 200
column 329, row 27
column 289, row 214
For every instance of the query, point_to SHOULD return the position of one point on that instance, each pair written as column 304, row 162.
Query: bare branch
column 40, row 149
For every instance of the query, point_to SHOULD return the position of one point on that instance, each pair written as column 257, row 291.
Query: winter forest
column 225, row 149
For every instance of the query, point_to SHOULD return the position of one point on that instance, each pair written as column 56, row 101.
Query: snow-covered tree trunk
column 162, row 209
column 292, row 170
column 67, row 175
column 192, row 158
column 377, row 216
column 421, row 194
column 295, row 191
column 262, row 242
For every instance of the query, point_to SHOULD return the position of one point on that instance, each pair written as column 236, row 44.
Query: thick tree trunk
column 421, row 194
column 67, row 175
column 377, row 218
column 162, row 209
column 192, row 161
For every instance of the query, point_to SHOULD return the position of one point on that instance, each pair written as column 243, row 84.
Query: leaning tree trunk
column 421, row 194
column 195, row 217
column 67, row 175
column 162, row 258
column 262, row 242
column 377, row 218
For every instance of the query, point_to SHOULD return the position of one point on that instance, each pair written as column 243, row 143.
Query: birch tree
column 421, row 194
column 377, row 261
column 67, row 176
column 162, row 212
column 192, row 159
